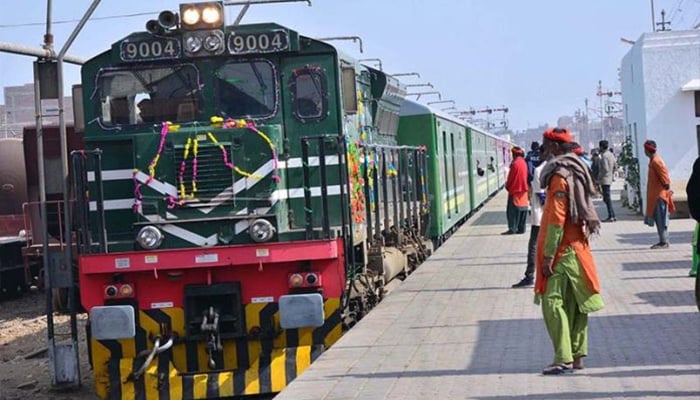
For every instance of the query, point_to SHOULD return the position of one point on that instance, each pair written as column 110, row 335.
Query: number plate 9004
column 258, row 42
column 149, row 49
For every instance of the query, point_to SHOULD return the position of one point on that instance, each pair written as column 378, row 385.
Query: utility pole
column 607, row 108
column 585, row 114
column 602, row 118
column 663, row 22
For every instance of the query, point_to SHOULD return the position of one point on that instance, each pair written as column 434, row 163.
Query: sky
column 540, row 58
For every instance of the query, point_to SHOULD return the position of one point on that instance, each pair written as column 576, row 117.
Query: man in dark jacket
column 606, row 170
column 532, row 158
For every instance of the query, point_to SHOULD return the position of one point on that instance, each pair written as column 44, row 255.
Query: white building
column 660, row 80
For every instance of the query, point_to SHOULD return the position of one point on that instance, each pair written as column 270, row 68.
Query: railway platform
column 455, row 329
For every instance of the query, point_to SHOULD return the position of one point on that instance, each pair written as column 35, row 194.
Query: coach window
column 309, row 91
column 246, row 90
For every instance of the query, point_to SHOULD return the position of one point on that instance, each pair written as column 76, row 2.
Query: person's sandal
column 578, row 362
column 558, row 369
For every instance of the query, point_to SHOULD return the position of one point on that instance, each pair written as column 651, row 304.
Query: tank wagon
column 245, row 193
column 14, row 278
column 21, row 238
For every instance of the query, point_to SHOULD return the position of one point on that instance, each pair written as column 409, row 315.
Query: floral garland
column 183, row 165
column 241, row 123
column 138, row 196
column 193, row 144
column 357, row 182
column 370, row 160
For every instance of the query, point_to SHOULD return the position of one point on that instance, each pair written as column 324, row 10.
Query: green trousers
column 565, row 308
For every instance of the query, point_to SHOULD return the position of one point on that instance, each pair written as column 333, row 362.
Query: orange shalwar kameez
column 573, row 289
column 658, row 181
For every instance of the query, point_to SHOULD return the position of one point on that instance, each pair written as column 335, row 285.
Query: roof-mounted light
column 206, row 15
column 190, row 16
column 212, row 15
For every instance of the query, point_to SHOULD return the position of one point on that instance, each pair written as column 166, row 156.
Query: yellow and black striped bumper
column 162, row 381
column 246, row 366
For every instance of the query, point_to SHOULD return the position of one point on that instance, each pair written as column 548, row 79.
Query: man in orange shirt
column 517, row 188
column 566, row 281
column 659, row 196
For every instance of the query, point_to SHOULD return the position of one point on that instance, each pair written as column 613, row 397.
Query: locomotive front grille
column 213, row 175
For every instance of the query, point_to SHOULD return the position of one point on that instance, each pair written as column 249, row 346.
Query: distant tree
column 630, row 164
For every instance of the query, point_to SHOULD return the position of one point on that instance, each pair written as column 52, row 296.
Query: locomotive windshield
column 246, row 89
column 148, row 95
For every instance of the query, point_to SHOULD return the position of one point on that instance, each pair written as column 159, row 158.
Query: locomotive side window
column 349, row 90
column 309, row 90
column 246, row 89
column 148, row 95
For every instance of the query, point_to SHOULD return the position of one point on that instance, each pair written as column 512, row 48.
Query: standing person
column 516, row 186
column 693, row 192
column 595, row 167
column 566, row 281
column 533, row 160
column 606, row 170
column 537, row 197
column 659, row 196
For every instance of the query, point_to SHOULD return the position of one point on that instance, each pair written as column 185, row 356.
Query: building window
column 697, row 103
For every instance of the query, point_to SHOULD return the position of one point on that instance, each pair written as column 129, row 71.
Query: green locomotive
column 242, row 197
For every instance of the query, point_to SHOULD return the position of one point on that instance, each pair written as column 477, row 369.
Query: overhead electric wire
column 676, row 10
column 67, row 21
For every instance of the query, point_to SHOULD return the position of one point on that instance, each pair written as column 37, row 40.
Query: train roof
column 410, row 107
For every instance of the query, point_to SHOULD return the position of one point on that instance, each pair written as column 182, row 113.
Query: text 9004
column 149, row 49
column 263, row 42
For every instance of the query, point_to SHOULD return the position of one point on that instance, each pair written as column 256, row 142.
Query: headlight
column 212, row 43
column 211, row 15
column 190, row 16
column 261, row 230
column 202, row 15
column 193, row 44
column 149, row 237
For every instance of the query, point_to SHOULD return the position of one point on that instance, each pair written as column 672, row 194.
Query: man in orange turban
column 566, row 279
column 659, row 196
